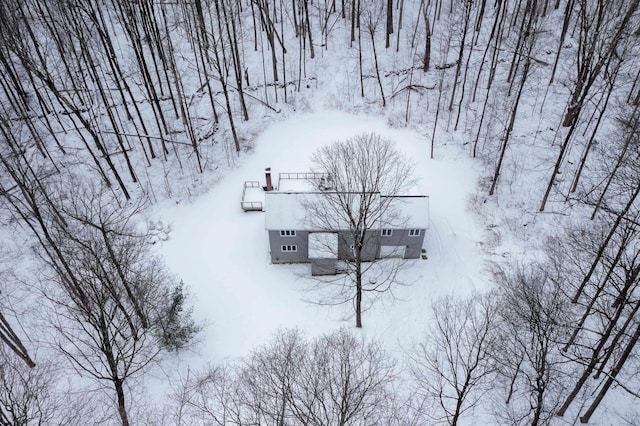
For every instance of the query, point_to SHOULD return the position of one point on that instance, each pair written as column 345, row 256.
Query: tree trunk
column 375, row 61
column 11, row 339
column 358, row 303
column 467, row 12
column 389, row 29
column 629, row 139
column 426, row 60
column 401, row 12
column 611, row 376
column 509, row 128
column 235, row 56
column 122, row 409
column 565, row 26
column 605, row 243
column 308, row 29
column 556, row 167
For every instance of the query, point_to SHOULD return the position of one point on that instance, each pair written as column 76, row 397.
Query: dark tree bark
column 11, row 339
column 426, row 59
column 389, row 27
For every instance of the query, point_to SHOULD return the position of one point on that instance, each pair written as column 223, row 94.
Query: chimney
column 267, row 175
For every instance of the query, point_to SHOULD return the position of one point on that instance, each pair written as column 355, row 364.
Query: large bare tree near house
column 362, row 168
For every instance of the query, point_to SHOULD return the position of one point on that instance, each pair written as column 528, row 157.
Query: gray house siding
column 288, row 211
column 370, row 248
column 300, row 240
column 402, row 237
column 324, row 267
column 374, row 241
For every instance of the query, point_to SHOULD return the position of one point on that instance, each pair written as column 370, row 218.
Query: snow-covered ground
column 222, row 254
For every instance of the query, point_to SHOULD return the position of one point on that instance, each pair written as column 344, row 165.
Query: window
column 289, row 247
column 386, row 232
column 287, row 233
column 414, row 232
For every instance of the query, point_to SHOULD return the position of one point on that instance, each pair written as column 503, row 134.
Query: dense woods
column 110, row 105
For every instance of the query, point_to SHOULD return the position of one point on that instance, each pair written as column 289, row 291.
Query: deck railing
column 251, row 184
column 250, row 205
column 307, row 175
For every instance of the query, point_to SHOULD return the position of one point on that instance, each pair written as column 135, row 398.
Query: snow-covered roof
column 413, row 211
column 286, row 210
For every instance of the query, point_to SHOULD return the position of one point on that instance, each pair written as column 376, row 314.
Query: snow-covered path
column 222, row 253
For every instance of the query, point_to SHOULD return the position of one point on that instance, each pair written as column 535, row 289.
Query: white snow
column 413, row 212
column 221, row 252
column 286, row 210
column 323, row 245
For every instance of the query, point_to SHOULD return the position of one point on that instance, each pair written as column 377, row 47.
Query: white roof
column 414, row 209
column 286, row 210
column 295, row 185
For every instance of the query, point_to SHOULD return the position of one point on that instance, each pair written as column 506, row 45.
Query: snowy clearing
column 221, row 252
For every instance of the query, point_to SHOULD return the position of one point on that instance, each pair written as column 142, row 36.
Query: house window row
column 289, row 247
column 389, row 232
column 288, row 233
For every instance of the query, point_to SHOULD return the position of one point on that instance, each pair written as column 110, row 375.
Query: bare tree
column 604, row 29
column 367, row 174
column 267, row 378
column 344, row 380
column 37, row 395
column 371, row 20
column 336, row 379
column 604, row 339
column 211, row 397
column 115, row 306
column 452, row 365
column 526, row 44
column 533, row 317
column 24, row 393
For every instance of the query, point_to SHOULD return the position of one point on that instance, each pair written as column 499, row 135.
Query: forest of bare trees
column 108, row 106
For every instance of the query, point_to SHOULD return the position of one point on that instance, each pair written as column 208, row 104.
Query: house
column 295, row 235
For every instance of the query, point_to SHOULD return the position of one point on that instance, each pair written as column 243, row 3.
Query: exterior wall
column 401, row 237
column 324, row 267
column 370, row 250
column 301, row 240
